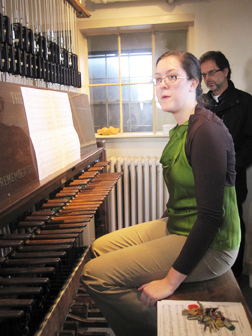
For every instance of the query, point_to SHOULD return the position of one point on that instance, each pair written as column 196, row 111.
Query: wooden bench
column 222, row 289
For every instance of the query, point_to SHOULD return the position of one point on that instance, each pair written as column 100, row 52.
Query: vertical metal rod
column 11, row 16
column 68, row 28
column 60, row 36
column 22, row 15
column 26, row 13
column 3, row 7
column 15, row 14
column 47, row 21
column 51, row 21
column 33, row 21
column 73, row 31
column 36, row 16
column 76, row 34
column 64, row 23
column 40, row 17
column 56, row 30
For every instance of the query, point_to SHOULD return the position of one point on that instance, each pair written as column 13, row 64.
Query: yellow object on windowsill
column 108, row 131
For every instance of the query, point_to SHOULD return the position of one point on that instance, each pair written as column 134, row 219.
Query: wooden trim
column 127, row 24
column 81, row 11
column 40, row 189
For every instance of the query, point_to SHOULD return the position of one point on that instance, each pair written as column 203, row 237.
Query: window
column 120, row 70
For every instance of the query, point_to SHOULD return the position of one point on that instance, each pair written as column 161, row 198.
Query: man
column 234, row 107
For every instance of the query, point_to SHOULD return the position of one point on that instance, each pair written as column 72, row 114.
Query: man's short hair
column 219, row 58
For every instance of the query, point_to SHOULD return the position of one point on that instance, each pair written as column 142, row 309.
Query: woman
column 199, row 240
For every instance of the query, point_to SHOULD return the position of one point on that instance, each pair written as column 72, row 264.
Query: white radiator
column 140, row 195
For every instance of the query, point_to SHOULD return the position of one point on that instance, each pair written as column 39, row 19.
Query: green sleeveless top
column 182, row 206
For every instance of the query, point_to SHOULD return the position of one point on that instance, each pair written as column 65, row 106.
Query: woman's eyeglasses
column 168, row 79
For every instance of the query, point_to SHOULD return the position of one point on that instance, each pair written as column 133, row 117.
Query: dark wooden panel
column 17, row 160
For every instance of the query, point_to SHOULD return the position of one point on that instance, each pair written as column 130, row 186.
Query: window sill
column 132, row 135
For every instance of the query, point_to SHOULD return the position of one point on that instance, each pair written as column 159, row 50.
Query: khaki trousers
column 126, row 259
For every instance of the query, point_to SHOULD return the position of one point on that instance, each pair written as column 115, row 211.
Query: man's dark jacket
column 235, row 109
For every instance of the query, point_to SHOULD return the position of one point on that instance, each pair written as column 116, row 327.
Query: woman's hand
column 154, row 291
column 160, row 289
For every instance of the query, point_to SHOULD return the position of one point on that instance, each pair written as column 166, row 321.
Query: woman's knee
column 87, row 269
column 97, row 247
column 90, row 269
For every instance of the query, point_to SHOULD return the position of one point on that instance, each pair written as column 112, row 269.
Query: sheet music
column 171, row 322
column 67, row 133
column 54, row 138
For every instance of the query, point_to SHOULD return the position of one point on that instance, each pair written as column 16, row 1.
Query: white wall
column 223, row 25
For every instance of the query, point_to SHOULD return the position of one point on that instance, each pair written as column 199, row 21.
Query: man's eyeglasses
column 168, row 79
column 210, row 73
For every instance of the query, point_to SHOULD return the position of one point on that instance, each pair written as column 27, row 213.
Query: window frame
column 147, row 27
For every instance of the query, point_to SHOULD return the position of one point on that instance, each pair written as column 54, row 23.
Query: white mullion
column 120, row 84
column 130, row 101
column 153, row 71
column 106, row 72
